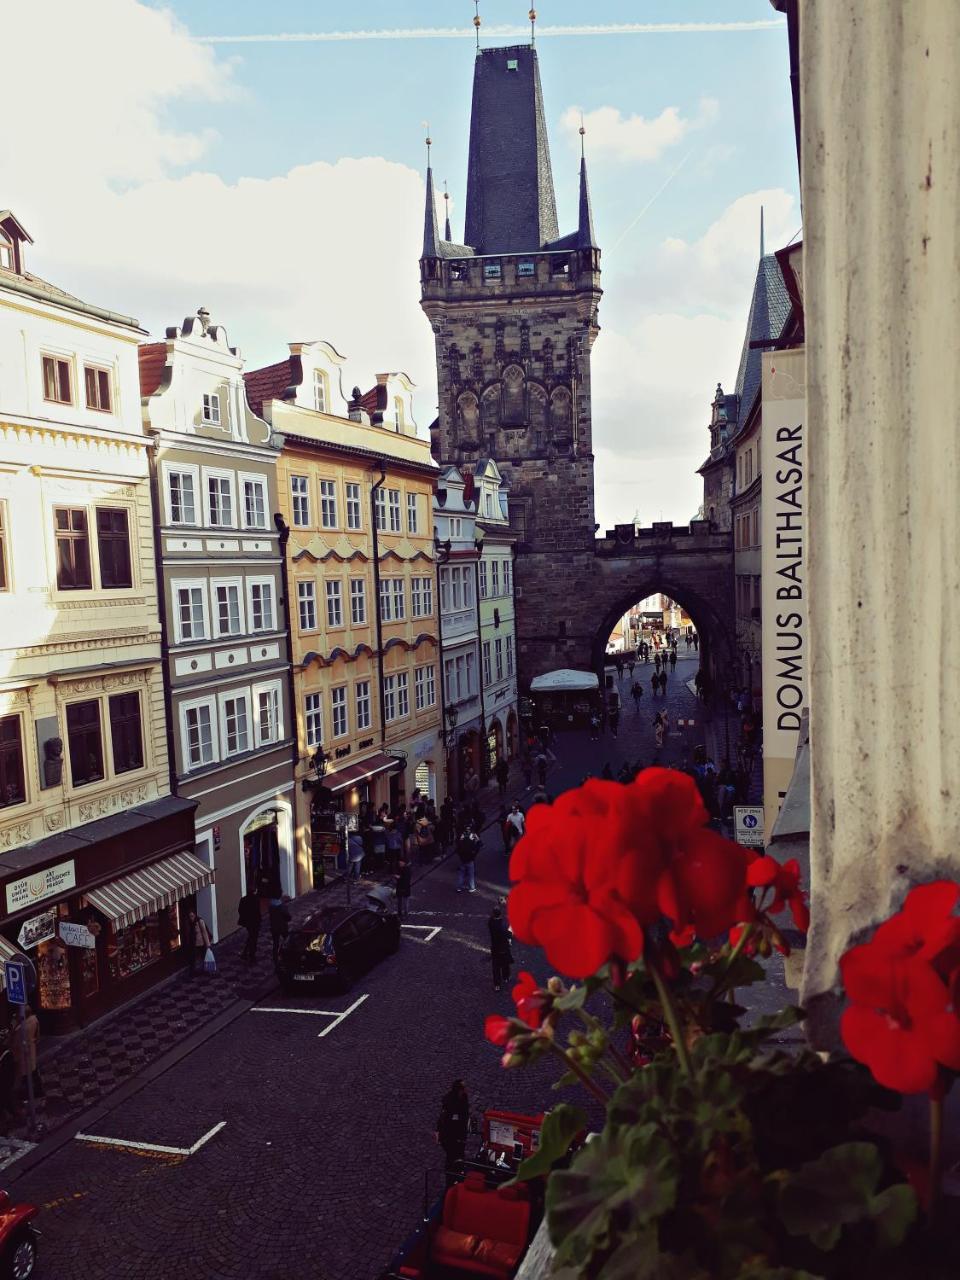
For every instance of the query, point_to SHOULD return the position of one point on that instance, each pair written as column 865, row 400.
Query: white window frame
column 495, row 577
column 487, row 663
column 498, row 655
column 403, row 695
column 311, row 583
column 393, row 511
column 399, row 592
column 385, row 603
column 210, row 409
column 450, row 683
column 333, row 596
column 362, row 705
column 483, row 579
column 413, row 513
column 422, row 597
column 215, row 583
column 339, row 712
column 275, row 688
column 389, row 698
column 189, row 584
column 248, row 477
column 444, row 591
column 210, row 704
column 469, row 599
column 358, row 602
column 328, row 502
column 321, row 384
column 170, row 469
column 269, row 583
column 354, row 500
column 303, row 497
column 313, row 719
column 456, row 527
column 218, row 473
column 488, row 504
column 234, row 695
column 456, row 587
column 380, row 509
column 424, row 687
column 511, row 656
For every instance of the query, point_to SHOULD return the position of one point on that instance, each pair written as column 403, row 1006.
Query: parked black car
column 336, row 944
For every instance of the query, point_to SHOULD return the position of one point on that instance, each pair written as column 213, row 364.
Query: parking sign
column 15, row 978
column 748, row 824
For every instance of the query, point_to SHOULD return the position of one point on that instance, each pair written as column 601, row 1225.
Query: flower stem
column 745, row 936
column 585, row 1079
column 673, row 1021
column 936, row 1157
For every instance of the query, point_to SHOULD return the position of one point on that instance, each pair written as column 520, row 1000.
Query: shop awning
column 133, row 897
column 7, row 952
column 351, row 774
column 564, row 681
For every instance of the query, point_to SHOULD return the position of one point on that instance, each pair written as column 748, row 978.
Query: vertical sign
column 783, row 567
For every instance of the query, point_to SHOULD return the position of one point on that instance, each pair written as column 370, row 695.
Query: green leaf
column 560, row 1127
column 894, row 1212
column 573, row 999
column 641, row 1259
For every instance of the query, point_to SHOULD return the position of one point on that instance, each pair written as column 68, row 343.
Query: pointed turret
column 446, row 207
column 585, row 237
column 431, row 232
column 761, row 231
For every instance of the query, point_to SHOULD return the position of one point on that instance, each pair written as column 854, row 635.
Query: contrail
column 457, row 33
column 656, row 195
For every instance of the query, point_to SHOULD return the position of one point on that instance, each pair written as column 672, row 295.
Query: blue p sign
column 15, row 978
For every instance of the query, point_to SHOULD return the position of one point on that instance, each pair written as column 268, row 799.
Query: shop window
column 12, row 789
column 132, row 949
column 53, row 975
column 113, row 545
column 73, row 549
column 526, row 267
column 126, row 733
column 85, row 742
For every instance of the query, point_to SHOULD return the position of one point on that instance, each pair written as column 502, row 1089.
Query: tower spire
column 431, row 232
column 532, row 15
column 476, row 23
column 446, row 208
column 585, row 237
column 761, row 231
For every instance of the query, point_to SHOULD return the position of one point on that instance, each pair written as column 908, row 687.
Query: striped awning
column 139, row 894
column 8, row 951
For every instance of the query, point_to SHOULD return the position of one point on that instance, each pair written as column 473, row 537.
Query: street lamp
column 319, row 762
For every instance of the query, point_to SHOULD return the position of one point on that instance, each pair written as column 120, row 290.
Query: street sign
column 748, row 824
column 38, row 929
column 77, row 935
column 15, row 979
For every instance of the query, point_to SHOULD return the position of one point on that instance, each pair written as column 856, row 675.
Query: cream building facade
column 498, row 614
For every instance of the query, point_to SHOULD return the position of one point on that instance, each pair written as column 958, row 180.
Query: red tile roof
column 374, row 400
column 268, row 383
column 153, row 358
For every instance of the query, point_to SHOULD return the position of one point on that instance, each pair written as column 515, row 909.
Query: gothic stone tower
column 514, row 315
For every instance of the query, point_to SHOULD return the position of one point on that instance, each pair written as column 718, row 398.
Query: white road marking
column 340, row 1017
column 316, row 1013
column 100, row 1140
column 206, row 1138
column 431, row 931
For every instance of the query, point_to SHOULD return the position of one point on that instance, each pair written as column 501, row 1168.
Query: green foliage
column 560, row 1127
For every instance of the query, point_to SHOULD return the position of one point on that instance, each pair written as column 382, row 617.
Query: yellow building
column 356, row 488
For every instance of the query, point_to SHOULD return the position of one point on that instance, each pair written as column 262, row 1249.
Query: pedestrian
column 403, row 887
column 637, row 691
column 516, row 821
column 594, row 727
column 619, row 666
column 426, row 846
column 658, row 729
column 452, row 1126
column 355, row 853
column 527, row 765
column 394, row 845
column 631, row 663
column 541, row 763
column 248, row 917
column 673, row 658
column 468, row 846
column 196, row 939
column 656, row 661
column 655, row 682
column 502, row 775
column 696, row 643
column 614, row 720
column 501, row 953
column 26, row 1038
column 279, row 925
column 663, row 681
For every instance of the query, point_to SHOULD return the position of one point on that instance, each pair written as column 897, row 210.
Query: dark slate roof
column 585, row 234
column 769, row 310
column 269, row 383
column 511, row 206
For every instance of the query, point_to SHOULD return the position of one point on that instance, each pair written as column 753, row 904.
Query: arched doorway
column 468, row 763
column 513, row 734
column 495, row 750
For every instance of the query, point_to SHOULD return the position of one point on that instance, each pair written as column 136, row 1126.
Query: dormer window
column 320, row 391
column 488, row 504
column 398, row 412
column 6, row 252
column 211, row 409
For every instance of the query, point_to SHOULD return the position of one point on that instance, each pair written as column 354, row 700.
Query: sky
column 279, row 183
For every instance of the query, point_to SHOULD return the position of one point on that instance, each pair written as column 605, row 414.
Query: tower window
column 560, row 267
column 491, row 271
column 526, row 267
column 512, row 64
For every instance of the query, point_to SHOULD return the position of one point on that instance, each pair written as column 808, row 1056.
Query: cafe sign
column 29, row 890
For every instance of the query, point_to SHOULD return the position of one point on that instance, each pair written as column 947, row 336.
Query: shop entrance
column 261, row 856
column 494, row 746
column 425, row 780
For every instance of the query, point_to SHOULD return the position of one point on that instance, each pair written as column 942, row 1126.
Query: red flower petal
column 763, row 871
column 896, row 1058
column 497, row 1029
column 577, row 940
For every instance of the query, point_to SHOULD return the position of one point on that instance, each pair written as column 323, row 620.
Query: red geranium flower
column 925, row 926
column 900, row 1022
column 531, row 1002
column 785, row 880
column 704, row 886
column 497, row 1029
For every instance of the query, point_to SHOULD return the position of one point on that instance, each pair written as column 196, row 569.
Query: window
column 300, row 500
column 456, row 587
column 491, row 271
column 363, row 704
column 399, row 599
column 413, row 519
column 483, row 579
column 260, row 603
column 421, row 598
column 487, row 664
column 181, row 496
column 511, row 656
column 386, row 607
column 380, row 508
column 113, row 545
column 199, row 741
column 494, row 577
column 228, row 615
column 393, row 502
column 328, row 504
column 56, row 380
column 320, row 390
column 267, row 703
column 526, row 267
column 456, row 527
column 126, row 735
column 425, row 687
column 73, row 548
column 307, row 605
column 460, row 677
column 756, row 526
column 444, row 591
column 358, row 601
column 255, row 502
column 235, row 724
column 389, row 698
column 498, row 649
column 468, row 593
column 6, row 261
column 338, row 701
column 97, row 386
column 4, row 571
column 85, row 742
column 313, row 719
column 403, row 694
column 190, row 612
column 211, row 409
column 398, row 412
column 219, row 501
column 488, row 504
column 334, row 604
column 507, row 577
column 12, row 790
column 353, row 506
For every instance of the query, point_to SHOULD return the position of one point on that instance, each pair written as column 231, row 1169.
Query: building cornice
column 42, row 430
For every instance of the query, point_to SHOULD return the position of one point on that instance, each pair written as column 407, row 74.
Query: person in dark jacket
column 452, row 1125
column 279, row 924
column 501, row 955
column 248, row 917
column 468, row 846
column 403, row 887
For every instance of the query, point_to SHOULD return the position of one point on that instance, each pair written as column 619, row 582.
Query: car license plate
column 303, row 977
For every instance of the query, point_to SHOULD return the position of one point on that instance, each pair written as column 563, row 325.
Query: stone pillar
column 880, row 111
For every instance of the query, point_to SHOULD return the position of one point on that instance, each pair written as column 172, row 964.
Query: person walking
column 516, row 821
column 355, row 853
column 541, row 763
column 196, row 939
column 426, row 844
column 452, row 1126
column 502, row 775
column 656, row 661
column 631, row 663
column 658, row 728
column 403, row 887
column 637, row 691
column 394, row 845
column 26, row 1039
column 501, row 953
column 613, row 719
column 248, row 917
column 468, row 847
column 655, row 682
column 279, row 925
column 673, row 658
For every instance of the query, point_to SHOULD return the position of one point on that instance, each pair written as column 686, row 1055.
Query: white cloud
column 635, row 138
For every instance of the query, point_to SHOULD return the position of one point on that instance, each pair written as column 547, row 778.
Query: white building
column 498, row 615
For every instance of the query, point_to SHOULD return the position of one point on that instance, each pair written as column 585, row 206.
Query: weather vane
column 582, row 131
column 429, row 140
column 533, row 27
column 476, row 21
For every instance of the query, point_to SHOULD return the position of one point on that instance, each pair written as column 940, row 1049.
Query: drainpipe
column 378, row 484
column 442, row 555
column 483, row 720
column 284, row 531
column 162, row 610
